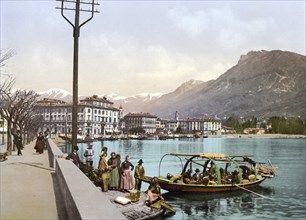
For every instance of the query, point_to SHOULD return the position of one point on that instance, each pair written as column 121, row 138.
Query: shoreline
column 293, row 136
column 57, row 140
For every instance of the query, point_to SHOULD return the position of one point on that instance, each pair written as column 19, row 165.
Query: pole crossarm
column 78, row 3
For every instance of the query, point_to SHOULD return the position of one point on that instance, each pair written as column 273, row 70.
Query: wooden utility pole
column 67, row 5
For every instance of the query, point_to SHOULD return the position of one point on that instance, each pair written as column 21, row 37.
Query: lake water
column 286, row 192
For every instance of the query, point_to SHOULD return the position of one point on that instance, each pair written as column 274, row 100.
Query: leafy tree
column 234, row 123
column 284, row 125
column 179, row 130
column 251, row 123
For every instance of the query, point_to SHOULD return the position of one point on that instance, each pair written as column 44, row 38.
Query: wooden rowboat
column 215, row 173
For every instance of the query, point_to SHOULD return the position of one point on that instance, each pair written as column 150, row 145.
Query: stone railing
column 53, row 152
column 83, row 200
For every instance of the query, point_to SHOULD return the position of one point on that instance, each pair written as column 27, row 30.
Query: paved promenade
column 29, row 187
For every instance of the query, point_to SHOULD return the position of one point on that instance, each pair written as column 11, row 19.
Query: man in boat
column 187, row 176
column 196, row 177
column 235, row 177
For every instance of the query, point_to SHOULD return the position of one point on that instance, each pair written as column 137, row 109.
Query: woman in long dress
column 40, row 143
column 126, row 183
column 114, row 175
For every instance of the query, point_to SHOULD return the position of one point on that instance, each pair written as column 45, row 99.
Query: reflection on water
column 229, row 205
column 287, row 190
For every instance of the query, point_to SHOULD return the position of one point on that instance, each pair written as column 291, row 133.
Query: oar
column 257, row 194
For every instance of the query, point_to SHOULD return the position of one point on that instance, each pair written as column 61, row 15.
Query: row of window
column 102, row 104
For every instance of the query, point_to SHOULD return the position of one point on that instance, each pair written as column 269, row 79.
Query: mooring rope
column 257, row 194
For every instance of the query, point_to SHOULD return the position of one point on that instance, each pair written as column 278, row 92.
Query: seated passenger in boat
column 211, row 180
column 196, row 177
column 169, row 176
column 235, row 177
column 223, row 177
column 175, row 178
column 187, row 176
column 245, row 172
column 205, row 180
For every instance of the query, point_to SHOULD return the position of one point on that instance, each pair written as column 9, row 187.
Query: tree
column 284, row 125
column 251, row 123
column 5, row 55
column 234, row 123
column 179, row 130
column 17, row 109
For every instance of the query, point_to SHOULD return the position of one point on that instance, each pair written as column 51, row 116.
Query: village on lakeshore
column 98, row 119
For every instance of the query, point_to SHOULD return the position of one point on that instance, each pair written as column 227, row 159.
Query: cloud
column 134, row 47
column 222, row 26
column 192, row 23
column 128, row 62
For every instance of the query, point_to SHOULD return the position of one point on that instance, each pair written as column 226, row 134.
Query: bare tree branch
column 5, row 55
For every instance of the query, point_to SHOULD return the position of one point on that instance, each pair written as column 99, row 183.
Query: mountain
column 261, row 84
column 129, row 104
column 55, row 93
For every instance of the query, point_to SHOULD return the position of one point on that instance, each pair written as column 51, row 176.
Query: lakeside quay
column 32, row 189
column 28, row 187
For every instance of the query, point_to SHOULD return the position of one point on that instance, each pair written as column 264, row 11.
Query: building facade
column 204, row 126
column 145, row 121
column 96, row 116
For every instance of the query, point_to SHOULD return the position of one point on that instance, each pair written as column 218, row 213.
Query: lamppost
column 76, row 34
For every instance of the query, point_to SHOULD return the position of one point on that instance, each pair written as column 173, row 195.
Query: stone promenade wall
column 83, row 200
column 53, row 152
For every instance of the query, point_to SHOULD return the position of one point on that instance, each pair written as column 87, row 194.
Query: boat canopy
column 237, row 162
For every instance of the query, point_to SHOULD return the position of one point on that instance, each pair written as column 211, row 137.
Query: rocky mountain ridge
column 261, row 84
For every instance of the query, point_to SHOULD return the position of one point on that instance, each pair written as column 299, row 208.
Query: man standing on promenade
column 18, row 142
column 74, row 157
column 104, row 169
column 139, row 173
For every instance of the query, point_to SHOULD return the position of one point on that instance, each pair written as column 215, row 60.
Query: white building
column 205, row 126
column 96, row 116
column 145, row 121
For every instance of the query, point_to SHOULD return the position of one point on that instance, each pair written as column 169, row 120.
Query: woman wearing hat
column 139, row 173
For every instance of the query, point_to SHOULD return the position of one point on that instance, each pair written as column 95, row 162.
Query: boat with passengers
column 208, row 173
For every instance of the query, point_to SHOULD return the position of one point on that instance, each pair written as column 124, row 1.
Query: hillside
column 262, row 84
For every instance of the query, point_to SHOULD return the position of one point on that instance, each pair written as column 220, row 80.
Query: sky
column 134, row 47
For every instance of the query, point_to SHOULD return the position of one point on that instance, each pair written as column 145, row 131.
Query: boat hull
column 182, row 187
